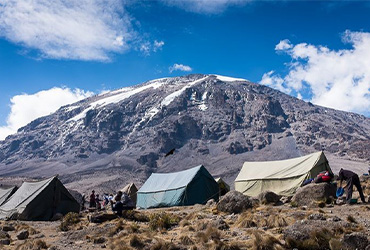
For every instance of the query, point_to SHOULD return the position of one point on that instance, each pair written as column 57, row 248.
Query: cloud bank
column 180, row 67
column 205, row 6
column 338, row 79
column 26, row 108
column 67, row 29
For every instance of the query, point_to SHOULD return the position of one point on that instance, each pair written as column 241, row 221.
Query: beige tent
column 282, row 177
column 6, row 193
column 39, row 200
column 223, row 186
column 131, row 191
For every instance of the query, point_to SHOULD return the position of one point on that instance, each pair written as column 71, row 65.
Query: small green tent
column 223, row 186
column 188, row 187
column 39, row 200
column 282, row 177
column 6, row 193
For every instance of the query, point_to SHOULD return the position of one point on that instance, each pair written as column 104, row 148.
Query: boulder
column 22, row 235
column 268, row 197
column 355, row 240
column 211, row 203
column 8, row 228
column 4, row 241
column 220, row 224
column 234, row 202
column 4, row 235
column 307, row 195
column 317, row 216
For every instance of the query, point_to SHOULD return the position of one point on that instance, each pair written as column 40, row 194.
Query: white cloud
column 67, row 29
column 180, row 67
column 205, row 6
column 147, row 47
column 274, row 81
column 157, row 45
column 26, row 108
column 283, row 45
column 337, row 79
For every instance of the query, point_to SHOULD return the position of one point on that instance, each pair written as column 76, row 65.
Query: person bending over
column 351, row 179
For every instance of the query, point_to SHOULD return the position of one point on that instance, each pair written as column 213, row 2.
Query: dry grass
column 186, row 240
column 319, row 239
column 136, row 242
column 248, row 220
column 163, row 245
column 33, row 245
column 117, row 228
column 69, row 220
column 162, row 221
column 351, row 219
column 30, row 229
column 265, row 242
column 211, row 233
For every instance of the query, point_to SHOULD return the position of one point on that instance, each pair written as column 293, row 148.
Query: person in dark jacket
column 351, row 179
column 92, row 199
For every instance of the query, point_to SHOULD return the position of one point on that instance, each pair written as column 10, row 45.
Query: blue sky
column 314, row 50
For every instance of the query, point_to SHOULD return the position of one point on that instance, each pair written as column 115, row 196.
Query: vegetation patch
column 69, row 220
column 162, row 221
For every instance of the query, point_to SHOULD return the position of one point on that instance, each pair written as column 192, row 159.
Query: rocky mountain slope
column 124, row 135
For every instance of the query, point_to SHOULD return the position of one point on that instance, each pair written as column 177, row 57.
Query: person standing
column 92, row 199
column 351, row 179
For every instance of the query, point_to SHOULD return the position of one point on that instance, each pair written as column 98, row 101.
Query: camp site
column 267, row 195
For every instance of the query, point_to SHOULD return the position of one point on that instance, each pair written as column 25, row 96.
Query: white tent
column 281, row 177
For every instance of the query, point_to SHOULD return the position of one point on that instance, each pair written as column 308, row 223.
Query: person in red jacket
column 92, row 199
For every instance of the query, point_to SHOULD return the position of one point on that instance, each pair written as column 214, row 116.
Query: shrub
column 351, row 219
column 33, row 245
column 266, row 242
column 162, row 221
column 69, row 220
column 319, row 239
column 136, row 242
column 185, row 240
column 117, row 228
column 293, row 204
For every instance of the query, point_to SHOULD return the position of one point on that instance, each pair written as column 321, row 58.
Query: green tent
column 188, row 187
column 281, row 177
column 6, row 193
column 223, row 186
column 39, row 200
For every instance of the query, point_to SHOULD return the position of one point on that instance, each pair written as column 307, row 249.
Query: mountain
column 171, row 124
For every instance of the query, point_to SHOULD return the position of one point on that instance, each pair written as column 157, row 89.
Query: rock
column 8, row 228
column 234, row 202
column 101, row 217
column 4, row 235
column 5, row 242
column 100, row 240
column 286, row 199
column 220, row 224
column 22, row 235
column 316, row 217
column 57, row 216
column 211, row 203
column 308, row 194
column 268, row 197
column 355, row 241
column 335, row 219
